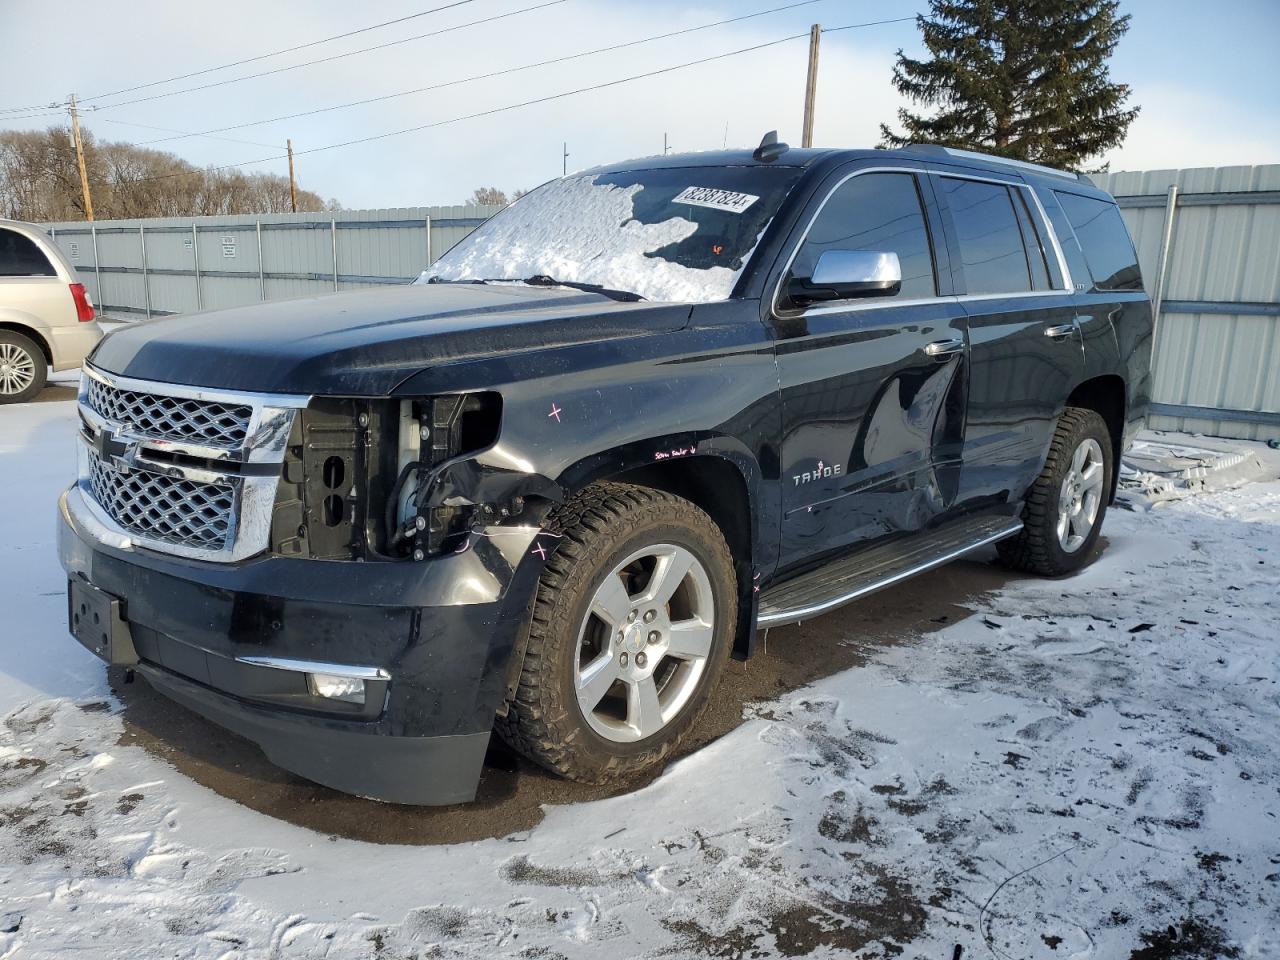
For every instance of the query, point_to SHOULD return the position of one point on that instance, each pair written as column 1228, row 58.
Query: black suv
column 634, row 420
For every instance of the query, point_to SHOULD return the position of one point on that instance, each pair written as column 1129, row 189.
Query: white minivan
column 46, row 319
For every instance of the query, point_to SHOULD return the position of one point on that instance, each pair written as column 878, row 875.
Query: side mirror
column 848, row 274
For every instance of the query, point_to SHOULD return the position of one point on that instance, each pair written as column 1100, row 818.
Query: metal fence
column 179, row 265
column 1208, row 240
column 1209, row 243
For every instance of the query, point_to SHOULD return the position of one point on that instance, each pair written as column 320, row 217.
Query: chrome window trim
column 1053, row 238
column 346, row 670
column 848, row 306
column 254, row 491
column 1044, row 224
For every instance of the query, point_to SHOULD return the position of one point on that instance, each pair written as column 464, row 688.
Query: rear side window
column 20, row 257
column 1032, row 241
column 1105, row 241
column 875, row 211
column 992, row 253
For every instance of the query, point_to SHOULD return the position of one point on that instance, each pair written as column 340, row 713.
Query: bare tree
column 489, row 196
column 39, row 181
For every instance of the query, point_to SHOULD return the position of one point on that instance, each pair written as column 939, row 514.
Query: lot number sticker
column 716, row 199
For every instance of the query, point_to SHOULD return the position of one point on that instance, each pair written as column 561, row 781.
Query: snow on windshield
column 579, row 230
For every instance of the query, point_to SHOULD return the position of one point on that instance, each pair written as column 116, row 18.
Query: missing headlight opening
column 357, row 474
column 432, row 432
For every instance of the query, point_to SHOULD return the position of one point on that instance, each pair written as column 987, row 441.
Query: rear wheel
column 23, row 369
column 1065, row 507
column 634, row 619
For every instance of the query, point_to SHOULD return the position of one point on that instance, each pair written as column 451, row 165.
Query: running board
column 849, row 578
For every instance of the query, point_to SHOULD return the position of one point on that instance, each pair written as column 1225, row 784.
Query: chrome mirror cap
column 841, row 267
column 846, row 275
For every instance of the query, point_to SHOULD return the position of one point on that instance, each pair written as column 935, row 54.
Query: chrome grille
column 164, row 508
column 179, row 419
column 183, row 470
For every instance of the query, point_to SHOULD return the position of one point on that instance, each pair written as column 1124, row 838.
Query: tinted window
column 876, row 211
column 20, row 257
column 1107, row 248
column 1066, row 238
column 1032, row 241
column 990, row 239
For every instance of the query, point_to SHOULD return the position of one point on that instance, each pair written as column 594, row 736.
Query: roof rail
column 989, row 158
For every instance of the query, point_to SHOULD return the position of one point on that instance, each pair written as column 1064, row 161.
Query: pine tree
column 1025, row 79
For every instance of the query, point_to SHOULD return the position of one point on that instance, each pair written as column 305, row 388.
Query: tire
column 23, row 368
column 1081, row 440
column 582, row 606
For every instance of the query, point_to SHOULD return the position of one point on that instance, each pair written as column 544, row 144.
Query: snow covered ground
column 1084, row 768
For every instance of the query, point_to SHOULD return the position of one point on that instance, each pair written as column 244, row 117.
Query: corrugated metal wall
column 181, row 264
column 1217, row 352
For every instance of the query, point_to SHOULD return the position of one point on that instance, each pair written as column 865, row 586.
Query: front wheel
column 632, row 625
column 1062, row 519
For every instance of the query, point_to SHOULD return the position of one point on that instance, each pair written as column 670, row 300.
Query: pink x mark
column 540, row 550
column 555, row 412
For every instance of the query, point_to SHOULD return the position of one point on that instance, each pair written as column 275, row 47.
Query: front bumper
column 442, row 630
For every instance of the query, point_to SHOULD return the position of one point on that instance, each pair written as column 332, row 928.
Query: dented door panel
column 872, row 423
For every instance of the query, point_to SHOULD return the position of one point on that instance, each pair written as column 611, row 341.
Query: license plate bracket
column 97, row 620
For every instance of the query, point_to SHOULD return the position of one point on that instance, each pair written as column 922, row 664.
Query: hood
column 365, row 342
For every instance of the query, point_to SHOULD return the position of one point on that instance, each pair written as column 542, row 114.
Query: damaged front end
column 404, row 479
column 358, row 614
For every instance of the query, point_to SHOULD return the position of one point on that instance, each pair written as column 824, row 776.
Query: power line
column 854, row 26
column 535, row 101
column 262, row 56
column 183, row 133
column 486, row 76
column 276, row 53
column 329, row 59
column 147, row 126
column 60, row 112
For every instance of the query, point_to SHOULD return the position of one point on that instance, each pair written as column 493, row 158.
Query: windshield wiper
column 542, row 280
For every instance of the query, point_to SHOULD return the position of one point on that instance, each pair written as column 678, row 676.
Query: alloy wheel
column 644, row 643
column 1081, row 495
column 17, row 369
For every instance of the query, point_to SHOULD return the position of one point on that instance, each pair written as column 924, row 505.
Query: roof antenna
column 770, row 149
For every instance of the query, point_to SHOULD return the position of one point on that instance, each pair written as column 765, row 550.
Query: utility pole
column 665, row 149
column 293, row 184
column 84, row 175
column 811, row 85
column 564, row 160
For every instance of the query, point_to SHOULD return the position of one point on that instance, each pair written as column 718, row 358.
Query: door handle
column 944, row 348
column 1060, row 330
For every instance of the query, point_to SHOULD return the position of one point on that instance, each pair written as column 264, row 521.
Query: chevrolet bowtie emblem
column 121, row 454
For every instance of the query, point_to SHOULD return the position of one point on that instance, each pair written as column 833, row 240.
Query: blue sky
column 1206, row 76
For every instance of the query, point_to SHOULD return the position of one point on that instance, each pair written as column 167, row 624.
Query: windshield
column 682, row 234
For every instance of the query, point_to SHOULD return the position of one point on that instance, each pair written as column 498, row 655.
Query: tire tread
column 538, row 723
column 1035, row 548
